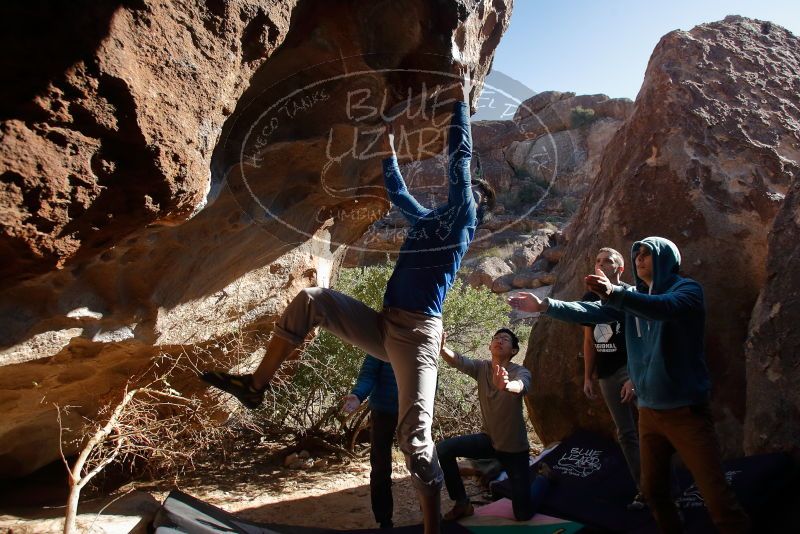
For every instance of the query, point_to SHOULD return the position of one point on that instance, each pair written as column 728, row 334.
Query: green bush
column 525, row 195
column 581, row 116
column 308, row 403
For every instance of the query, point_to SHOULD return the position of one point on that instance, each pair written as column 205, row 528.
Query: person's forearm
column 581, row 312
column 460, row 153
column 398, row 193
column 686, row 299
column 362, row 389
column 460, row 134
column 451, row 359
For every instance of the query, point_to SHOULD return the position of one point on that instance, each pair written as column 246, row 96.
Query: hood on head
column 666, row 262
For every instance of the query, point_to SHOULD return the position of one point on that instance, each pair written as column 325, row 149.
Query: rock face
column 487, row 271
column 564, row 138
column 110, row 132
column 704, row 160
column 772, row 422
column 183, row 169
column 521, row 265
column 540, row 163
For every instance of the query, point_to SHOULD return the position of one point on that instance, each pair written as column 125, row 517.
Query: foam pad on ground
column 593, row 486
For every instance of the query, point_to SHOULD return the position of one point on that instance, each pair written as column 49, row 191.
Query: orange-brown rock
column 704, row 160
column 114, row 114
column 571, row 112
column 538, row 102
column 180, row 170
column 772, row 421
column 487, row 271
column 540, row 164
column 564, row 140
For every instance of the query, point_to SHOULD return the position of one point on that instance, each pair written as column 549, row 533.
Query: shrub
column 145, row 426
column 525, row 195
column 581, row 116
column 308, row 404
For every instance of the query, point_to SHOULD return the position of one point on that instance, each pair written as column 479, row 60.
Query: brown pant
column 689, row 430
column 410, row 341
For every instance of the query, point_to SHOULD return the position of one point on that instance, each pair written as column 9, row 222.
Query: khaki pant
column 689, row 431
column 409, row 341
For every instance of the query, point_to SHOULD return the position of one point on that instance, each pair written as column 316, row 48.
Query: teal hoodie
column 664, row 329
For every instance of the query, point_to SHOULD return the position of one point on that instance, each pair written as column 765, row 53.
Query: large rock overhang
column 150, row 206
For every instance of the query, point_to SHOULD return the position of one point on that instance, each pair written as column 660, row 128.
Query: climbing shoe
column 240, row 386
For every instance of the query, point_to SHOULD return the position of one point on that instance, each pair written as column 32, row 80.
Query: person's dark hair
column 514, row 338
column 488, row 197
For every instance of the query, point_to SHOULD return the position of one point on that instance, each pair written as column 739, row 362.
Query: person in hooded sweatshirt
column 664, row 317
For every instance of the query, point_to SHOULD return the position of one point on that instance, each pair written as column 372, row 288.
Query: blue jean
column 525, row 497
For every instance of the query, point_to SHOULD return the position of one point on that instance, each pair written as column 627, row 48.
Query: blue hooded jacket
column 664, row 329
column 376, row 381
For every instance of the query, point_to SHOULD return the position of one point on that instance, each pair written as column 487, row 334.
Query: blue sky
column 598, row 46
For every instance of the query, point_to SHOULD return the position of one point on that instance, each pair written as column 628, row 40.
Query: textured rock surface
column 555, row 138
column 568, row 159
column 240, row 113
column 540, row 163
column 704, row 160
column 773, row 347
column 487, row 271
column 114, row 130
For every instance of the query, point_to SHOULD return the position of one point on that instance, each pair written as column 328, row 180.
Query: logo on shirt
column 579, row 462
column 691, row 497
column 603, row 334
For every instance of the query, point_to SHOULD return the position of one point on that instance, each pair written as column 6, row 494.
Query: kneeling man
column 501, row 387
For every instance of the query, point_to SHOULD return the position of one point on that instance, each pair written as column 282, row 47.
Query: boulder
column 553, row 254
column 173, row 173
column 563, row 162
column 113, row 131
column 523, row 258
column 503, row 284
column 705, row 160
column 573, row 112
column 547, row 279
column 527, row 279
column 538, row 102
column 532, row 248
column 548, row 157
column 772, row 420
column 487, row 271
column 488, row 136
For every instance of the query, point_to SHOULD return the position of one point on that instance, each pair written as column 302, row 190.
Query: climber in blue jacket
column 408, row 330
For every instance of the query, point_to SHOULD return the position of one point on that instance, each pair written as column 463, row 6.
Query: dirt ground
column 252, row 483
column 335, row 495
